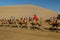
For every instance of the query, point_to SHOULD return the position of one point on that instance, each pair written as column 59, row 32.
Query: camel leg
column 57, row 28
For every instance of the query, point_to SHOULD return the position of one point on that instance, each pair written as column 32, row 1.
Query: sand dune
column 25, row 11
column 7, row 33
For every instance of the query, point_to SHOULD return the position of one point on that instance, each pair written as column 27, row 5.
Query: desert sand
column 25, row 11
column 7, row 33
column 26, row 34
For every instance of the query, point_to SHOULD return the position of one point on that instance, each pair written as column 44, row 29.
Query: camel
column 55, row 23
column 12, row 23
column 35, row 24
column 22, row 22
column 4, row 22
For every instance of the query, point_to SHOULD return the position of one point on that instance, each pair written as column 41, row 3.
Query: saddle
column 11, row 22
column 4, row 22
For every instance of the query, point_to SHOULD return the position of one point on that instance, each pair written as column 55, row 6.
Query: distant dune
column 25, row 11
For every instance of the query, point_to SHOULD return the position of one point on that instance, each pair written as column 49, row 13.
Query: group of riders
column 34, row 23
column 21, row 21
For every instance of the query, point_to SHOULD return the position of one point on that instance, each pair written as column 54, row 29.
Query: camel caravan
column 55, row 22
column 33, row 23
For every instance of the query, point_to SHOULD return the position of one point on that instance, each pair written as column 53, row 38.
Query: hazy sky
column 49, row 4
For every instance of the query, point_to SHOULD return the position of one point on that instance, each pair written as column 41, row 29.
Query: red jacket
column 35, row 17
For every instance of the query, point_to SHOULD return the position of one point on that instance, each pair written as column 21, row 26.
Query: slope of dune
column 11, row 33
column 25, row 11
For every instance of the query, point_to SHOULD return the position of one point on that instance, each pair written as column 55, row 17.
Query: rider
column 12, row 18
column 21, row 21
column 35, row 18
column 30, row 19
column 25, row 21
column 3, row 20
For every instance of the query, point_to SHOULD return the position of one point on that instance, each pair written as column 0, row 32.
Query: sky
column 49, row 4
